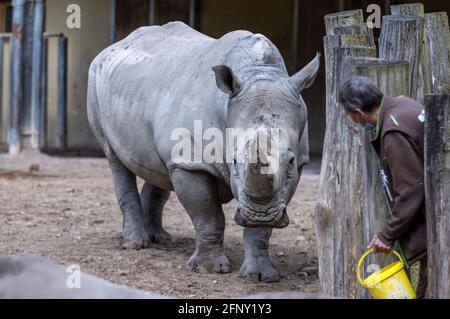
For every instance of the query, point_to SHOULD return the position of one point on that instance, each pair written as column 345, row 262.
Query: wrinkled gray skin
column 164, row 77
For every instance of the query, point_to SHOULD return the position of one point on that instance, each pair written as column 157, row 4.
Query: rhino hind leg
column 153, row 200
column 197, row 191
column 134, row 234
column 257, row 265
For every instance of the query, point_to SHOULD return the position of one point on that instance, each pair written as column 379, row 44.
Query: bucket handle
column 366, row 253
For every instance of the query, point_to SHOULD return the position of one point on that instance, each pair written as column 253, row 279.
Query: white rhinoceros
column 163, row 78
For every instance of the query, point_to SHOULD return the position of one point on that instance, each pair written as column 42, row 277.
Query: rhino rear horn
column 304, row 78
column 226, row 81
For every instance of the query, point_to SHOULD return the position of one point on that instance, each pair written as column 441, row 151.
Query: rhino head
column 267, row 103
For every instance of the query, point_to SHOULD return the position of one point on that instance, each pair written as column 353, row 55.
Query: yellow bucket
column 390, row 282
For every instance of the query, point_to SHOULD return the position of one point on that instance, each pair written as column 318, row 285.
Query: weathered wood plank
column 392, row 79
column 356, row 29
column 414, row 9
column 330, row 43
column 338, row 224
column 424, row 77
column 340, row 19
column 438, row 48
column 437, row 189
column 401, row 39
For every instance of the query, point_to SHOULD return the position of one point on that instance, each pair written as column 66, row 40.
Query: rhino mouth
column 271, row 215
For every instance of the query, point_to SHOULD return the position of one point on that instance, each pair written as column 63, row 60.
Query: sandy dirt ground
column 64, row 208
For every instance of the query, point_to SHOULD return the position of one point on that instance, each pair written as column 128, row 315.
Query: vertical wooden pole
column 401, row 40
column 438, row 46
column 413, row 9
column 336, row 254
column 356, row 29
column 392, row 79
column 351, row 205
column 340, row 19
column 437, row 189
column 424, row 76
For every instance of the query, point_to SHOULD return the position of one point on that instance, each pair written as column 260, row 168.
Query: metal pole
column 112, row 22
column 295, row 35
column 192, row 13
column 38, row 29
column 43, row 101
column 61, row 112
column 151, row 13
column 16, row 78
column 1, row 88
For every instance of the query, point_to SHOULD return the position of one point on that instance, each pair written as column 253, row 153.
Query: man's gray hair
column 360, row 93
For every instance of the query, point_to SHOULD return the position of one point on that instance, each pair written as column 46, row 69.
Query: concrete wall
column 83, row 45
column 271, row 18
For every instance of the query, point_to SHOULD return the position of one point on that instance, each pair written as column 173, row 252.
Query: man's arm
column 407, row 173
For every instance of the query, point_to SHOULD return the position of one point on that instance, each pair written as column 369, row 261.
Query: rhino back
column 157, row 79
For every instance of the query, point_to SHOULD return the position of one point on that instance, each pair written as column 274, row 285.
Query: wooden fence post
column 424, row 80
column 356, row 29
column 339, row 191
column 340, row 172
column 340, row 19
column 437, row 189
column 413, row 9
column 392, row 79
column 438, row 46
column 351, row 206
column 401, row 40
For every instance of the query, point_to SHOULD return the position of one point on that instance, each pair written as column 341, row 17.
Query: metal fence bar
column 192, row 13
column 43, row 101
column 112, row 22
column 16, row 79
column 4, row 38
column 38, row 28
column 295, row 24
column 61, row 111
column 151, row 14
column 1, row 87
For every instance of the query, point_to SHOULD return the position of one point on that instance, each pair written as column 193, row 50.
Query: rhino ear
column 304, row 78
column 226, row 80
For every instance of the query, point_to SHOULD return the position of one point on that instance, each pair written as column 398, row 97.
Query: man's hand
column 378, row 246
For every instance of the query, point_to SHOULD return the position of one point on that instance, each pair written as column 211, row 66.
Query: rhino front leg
column 153, row 200
column 133, row 234
column 257, row 265
column 197, row 191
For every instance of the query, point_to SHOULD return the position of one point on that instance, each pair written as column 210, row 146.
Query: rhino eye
column 291, row 160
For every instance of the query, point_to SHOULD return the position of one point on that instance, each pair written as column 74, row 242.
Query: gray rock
column 32, row 276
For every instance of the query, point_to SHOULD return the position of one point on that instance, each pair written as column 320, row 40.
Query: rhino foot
column 259, row 269
column 209, row 264
column 159, row 236
column 133, row 239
